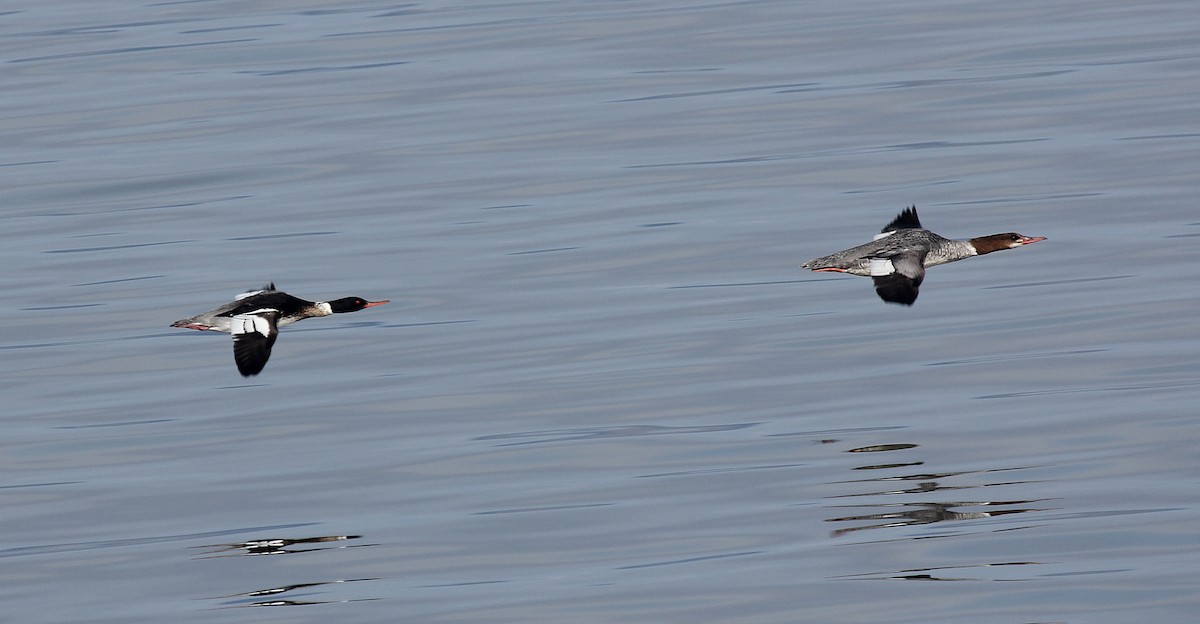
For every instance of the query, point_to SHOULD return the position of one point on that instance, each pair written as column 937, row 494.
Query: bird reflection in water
column 275, row 546
column 276, row 591
column 901, row 514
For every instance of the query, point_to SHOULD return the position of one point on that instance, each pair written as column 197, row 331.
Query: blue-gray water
column 604, row 390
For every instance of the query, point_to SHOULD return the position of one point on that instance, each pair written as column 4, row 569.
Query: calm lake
column 604, row 389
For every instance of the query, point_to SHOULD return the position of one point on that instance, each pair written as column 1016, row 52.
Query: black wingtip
column 249, row 369
column 896, row 288
column 268, row 287
column 907, row 219
column 251, row 354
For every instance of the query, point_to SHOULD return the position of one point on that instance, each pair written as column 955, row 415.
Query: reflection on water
column 282, row 546
column 275, row 546
column 926, row 513
column 902, row 514
column 936, row 574
column 276, row 591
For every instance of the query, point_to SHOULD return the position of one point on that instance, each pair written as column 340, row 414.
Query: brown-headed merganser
column 896, row 259
column 254, row 317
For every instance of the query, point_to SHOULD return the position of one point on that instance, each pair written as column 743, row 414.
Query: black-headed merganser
column 897, row 258
column 254, row 317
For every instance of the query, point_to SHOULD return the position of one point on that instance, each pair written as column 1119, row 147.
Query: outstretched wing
column 898, row 275
column 270, row 287
column 253, row 335
column 907, row 219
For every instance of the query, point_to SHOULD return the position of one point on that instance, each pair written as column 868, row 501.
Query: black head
column 352, row 304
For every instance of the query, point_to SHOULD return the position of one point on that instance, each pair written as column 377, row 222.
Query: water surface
column 604, row 390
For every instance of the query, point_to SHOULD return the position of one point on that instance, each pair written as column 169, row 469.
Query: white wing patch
column 251, row 323
column 881, row 266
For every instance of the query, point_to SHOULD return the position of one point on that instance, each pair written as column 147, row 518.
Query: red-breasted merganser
column 254, row 317
column 897, row 258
